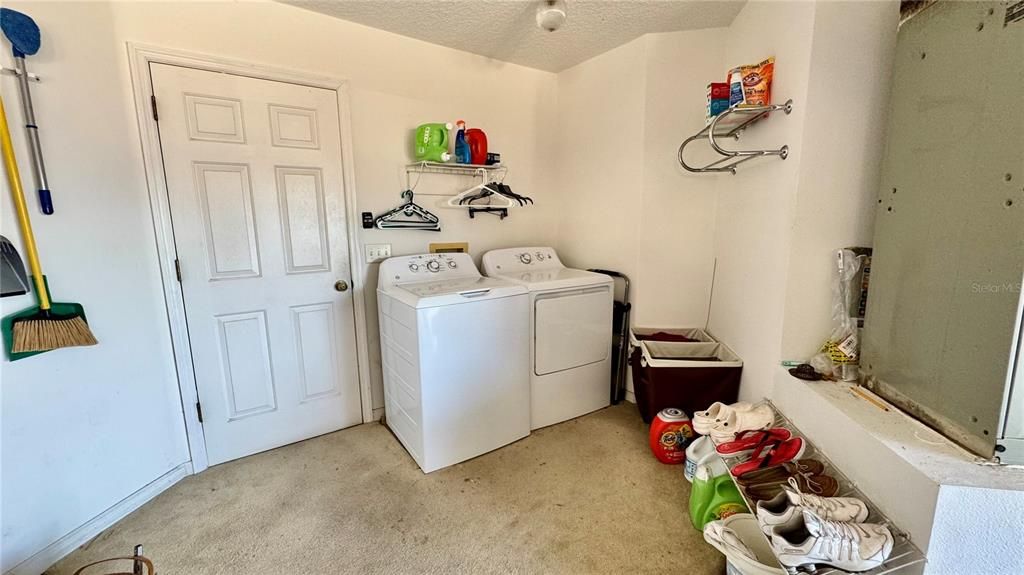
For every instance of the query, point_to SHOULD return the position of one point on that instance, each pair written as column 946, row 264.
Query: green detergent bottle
column 713, row 495
column 432, row 143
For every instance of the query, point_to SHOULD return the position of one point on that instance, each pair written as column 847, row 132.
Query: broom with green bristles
column 51, row 325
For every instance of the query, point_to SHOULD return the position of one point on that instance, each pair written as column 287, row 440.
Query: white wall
column 599, row 158
column 625, row 203
column 770, row 228
column 753, row 216
column 674, row 242
column 778, row 221
column 847, row 103
column 84, row 428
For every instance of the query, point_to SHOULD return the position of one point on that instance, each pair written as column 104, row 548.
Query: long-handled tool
column 51, row 325
column 23, row 34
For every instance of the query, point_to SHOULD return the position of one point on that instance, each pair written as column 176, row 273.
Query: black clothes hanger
column 390, row 220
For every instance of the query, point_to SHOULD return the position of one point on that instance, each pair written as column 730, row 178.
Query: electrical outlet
column 377, row 252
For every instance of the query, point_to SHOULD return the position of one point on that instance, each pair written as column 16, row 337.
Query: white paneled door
column 254, row 179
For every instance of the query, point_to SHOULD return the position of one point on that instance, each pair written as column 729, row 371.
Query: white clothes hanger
column 453, row 202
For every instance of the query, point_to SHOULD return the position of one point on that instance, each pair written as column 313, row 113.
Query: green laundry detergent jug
column 713, row 495
column 432, row 143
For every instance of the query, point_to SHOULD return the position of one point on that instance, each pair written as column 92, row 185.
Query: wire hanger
column 390, row 220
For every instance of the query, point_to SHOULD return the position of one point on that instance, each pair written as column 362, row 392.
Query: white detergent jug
column 700, row 452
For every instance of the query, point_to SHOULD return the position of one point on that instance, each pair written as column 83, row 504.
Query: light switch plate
column 377, row 252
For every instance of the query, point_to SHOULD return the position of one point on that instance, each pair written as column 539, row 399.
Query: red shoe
column 752, row 440
column 770, row 455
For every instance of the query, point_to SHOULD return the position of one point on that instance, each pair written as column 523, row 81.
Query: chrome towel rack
column 729, row 124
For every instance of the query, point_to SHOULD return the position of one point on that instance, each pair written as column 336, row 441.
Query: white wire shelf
column 905, row 559
column 486, row 172
column 454, row 169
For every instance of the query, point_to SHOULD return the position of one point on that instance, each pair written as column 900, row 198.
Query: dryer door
column 572, row 328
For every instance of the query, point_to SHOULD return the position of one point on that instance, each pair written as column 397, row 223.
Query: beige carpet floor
column 585, row 496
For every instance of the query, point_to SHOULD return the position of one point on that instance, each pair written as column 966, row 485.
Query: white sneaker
column 806, row 541
column 791, row 501
column 726, row 540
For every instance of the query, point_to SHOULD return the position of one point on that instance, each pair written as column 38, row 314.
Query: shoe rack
column 905, row 559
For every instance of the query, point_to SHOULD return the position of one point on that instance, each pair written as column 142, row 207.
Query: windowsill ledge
column 925, row 449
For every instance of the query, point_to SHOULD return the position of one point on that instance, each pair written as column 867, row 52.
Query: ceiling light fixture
column 551, row 14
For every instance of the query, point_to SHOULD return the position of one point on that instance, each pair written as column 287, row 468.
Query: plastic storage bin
column 686, row 375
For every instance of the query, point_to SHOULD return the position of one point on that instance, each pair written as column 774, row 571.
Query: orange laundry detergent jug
column 671, row 432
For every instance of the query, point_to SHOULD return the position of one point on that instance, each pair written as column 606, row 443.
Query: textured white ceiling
column 506, row 29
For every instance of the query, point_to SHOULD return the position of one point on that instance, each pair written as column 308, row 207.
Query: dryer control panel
column 426, row 267
column 513, row 260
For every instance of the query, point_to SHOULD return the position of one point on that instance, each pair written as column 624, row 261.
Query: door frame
column 140, row 56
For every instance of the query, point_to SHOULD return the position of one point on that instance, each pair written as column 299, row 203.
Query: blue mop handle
column 45, row 202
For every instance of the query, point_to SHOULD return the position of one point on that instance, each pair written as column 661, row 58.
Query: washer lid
column 453, row 291
column 556, row 278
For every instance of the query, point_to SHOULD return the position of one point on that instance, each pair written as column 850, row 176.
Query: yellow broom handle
column 14, row 179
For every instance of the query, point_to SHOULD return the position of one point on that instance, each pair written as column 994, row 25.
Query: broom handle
column 18, row 194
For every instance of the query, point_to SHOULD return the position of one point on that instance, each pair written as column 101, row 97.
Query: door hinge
column 199, row 411
column 152, row 101
column 177, row 269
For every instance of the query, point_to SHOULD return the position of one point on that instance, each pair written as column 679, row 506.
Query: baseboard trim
column 630, row 397
column 60, row 548
column 378, row 412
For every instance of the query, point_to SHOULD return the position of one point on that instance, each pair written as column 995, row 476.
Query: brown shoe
column 823, row 485
column 780, row 473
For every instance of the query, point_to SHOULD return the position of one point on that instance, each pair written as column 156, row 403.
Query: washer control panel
column 426, row 267
column 520, row 259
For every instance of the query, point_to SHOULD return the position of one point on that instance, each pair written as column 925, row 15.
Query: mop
column 23, row 34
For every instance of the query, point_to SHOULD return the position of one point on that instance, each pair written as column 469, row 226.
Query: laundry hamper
column 688, row 375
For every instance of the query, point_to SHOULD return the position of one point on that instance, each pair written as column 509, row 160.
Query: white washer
column 455, row 355
column 570, row 328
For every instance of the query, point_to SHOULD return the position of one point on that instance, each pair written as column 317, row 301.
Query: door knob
column 341, row 285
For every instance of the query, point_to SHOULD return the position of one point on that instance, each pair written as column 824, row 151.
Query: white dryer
column 570, row 332
column 455, row 356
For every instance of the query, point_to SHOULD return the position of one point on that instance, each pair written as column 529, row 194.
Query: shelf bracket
column 14, row 72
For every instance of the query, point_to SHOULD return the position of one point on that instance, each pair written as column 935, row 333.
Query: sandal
column 821, row 485
column 717, row 413
column 770, row 455
column 752, row 440
column 783, row 472
column 806, row 372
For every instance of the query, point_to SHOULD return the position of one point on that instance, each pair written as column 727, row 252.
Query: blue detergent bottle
column 462, row 155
